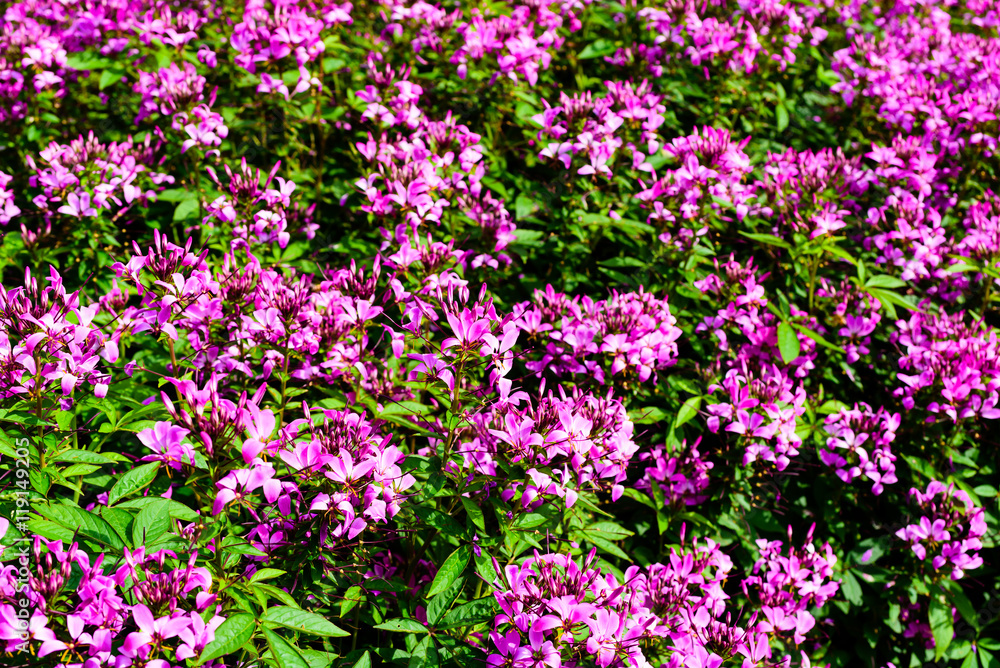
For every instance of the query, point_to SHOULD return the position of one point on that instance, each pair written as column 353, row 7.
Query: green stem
column 173, row 356
column 76, row 445
column 986, row 298
column 284, row 385
column 357, row 625
column 813, row 266
column 39, row 413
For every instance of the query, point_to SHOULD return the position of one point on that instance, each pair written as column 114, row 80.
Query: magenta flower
column 469, row 330
column 164, row 438
column 196, row 635
column 238, row 484
column 605, row 628
column 78, row 205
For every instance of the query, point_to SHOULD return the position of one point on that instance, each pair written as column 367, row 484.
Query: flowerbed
column 516, row 334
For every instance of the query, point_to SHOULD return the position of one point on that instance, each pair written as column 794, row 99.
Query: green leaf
column 425, row 655
column 352, row 597
column 471, row 613
column 364, row 662
column 50, row 530
column 475, row 513
column 266, row 574
column 524, row 206
column 596, row 49
column 768, row 239
column 79, row 469
column 450, row 570
column 40, row 481
column 152, row 521
column 440, row 521
column 110, row 76
column 530, row 521
column 604, row 545
column 631, row 226
column 852, row 589
column 962, row 604
column 132, row 481
column 788, row 343
column 302, row 620
column 888, row 297
column 402, row 626
column 941, row 626
column 781, row 116
column 647, row 415
column 440, row 604
column 609, row 531
column 177, row 509
column 884, row 281
column 274, row 592
column 84, row 523
column 622, row 262
column 119, row 521
column 688, row 410
column 662, row 521
column 82, row 457
column 816, row 337
column 176, row 195
column 405, row 408
column 284, row 653
column 186, row 209
column 987, row 660
column 230, row 637
column 85, row 60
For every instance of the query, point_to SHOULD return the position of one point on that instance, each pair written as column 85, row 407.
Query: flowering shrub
column 518, row 334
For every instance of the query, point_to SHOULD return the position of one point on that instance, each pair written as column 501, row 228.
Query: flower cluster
column 789, row 585
column 8, row 210
column 81, row 606
column 849, row 430
column 762, row 394
column 742, row 38
column 954, row 358
column 272, row 31
column 49, row 339
column 811, row 192
column 568, row 443
column 379, row 298
column 253, row 212
column 418, row 177
column 926, row 72
column 682, row 476
column 344, row 476
column 708, row 176
column 176, row 92
column 854, row 316
column 585, row 132
column 949, row 530
column 630, row 333
column 87, row 176
column 521, row 43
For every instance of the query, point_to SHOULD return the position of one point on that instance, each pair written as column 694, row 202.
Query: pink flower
column 164, row 438
column 238, row 484
column 78, row 205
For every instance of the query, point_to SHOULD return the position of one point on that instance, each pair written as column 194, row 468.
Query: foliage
column 570, row 334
